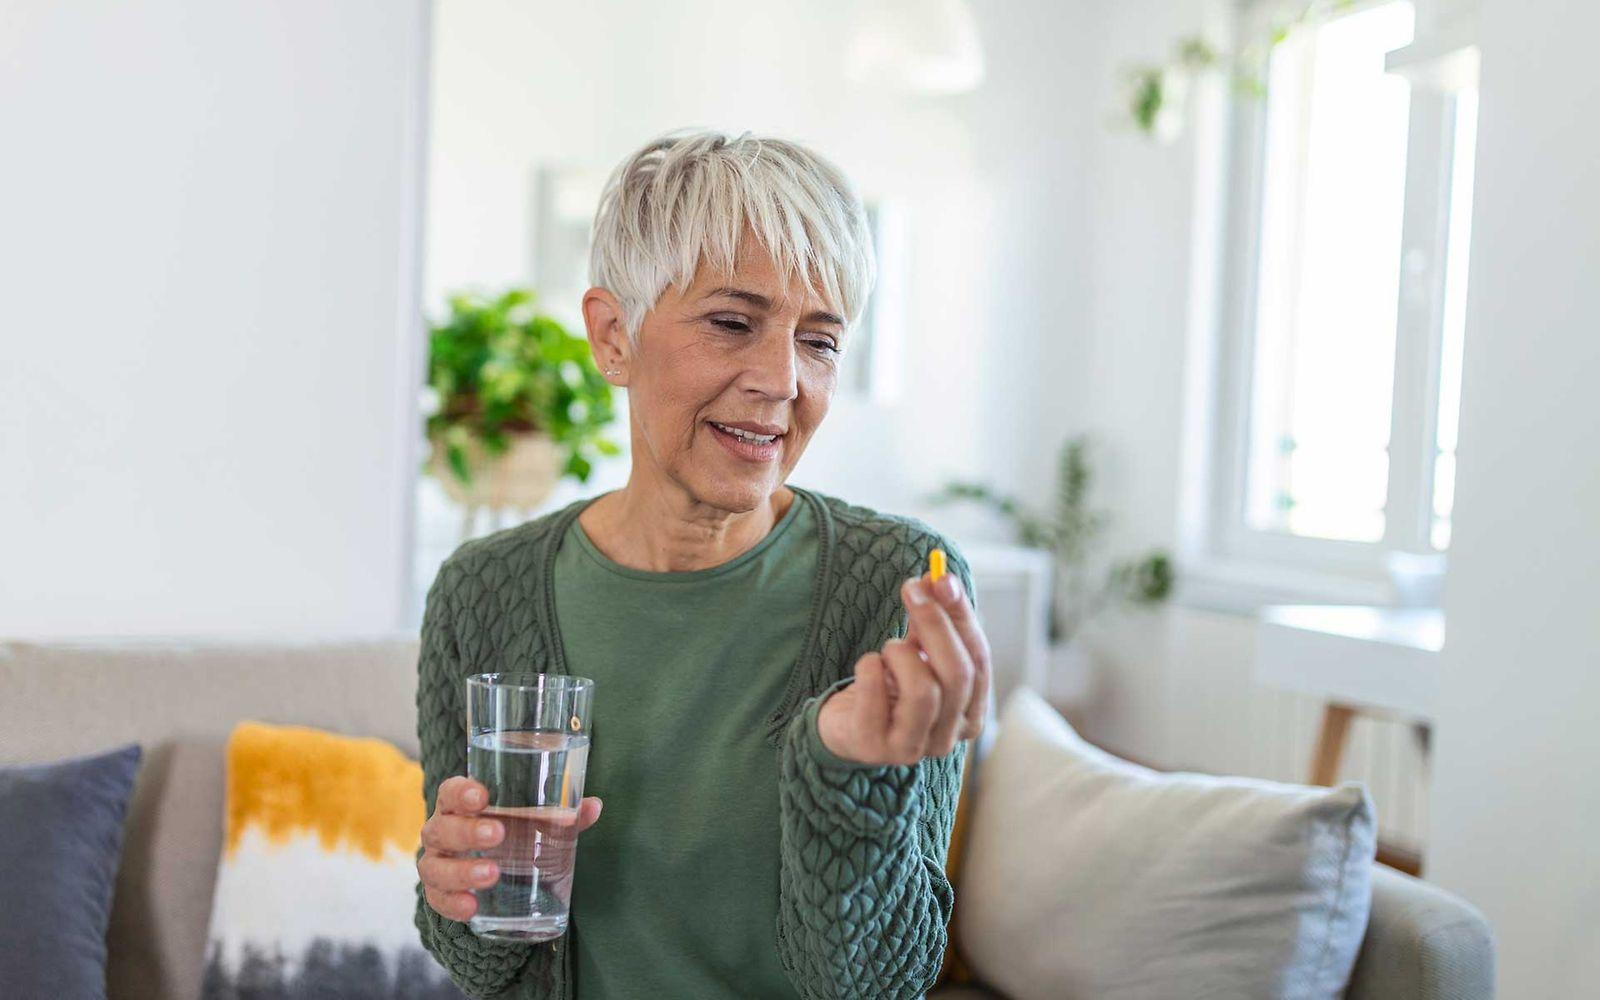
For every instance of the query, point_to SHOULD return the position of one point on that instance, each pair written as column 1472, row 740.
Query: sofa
column 180, row 700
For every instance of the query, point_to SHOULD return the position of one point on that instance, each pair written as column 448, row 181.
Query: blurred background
column 1248, row 348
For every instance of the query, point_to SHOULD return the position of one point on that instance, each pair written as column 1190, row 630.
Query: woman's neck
column 669, row 531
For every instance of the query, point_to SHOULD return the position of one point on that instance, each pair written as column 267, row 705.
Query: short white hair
column 687, row 196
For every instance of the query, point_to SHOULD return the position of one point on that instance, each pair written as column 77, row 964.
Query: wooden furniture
column 1357, row 660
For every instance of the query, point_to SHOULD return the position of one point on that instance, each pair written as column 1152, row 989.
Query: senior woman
column 781, row 693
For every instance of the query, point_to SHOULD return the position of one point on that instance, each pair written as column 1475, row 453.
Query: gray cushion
column 1422, row 942
column 60, row 843
column 1089, row 876
column 179, row 699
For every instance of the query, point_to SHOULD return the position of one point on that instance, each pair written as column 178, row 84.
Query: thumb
column 588, row 811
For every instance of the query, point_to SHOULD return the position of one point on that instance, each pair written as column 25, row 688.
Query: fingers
column 461, row 794
column 446, row 875
column 451, row 905
column 964, row 617
column 872, row 697
column 452, row 834
column 448, row 881
column 948, row 657
column 917, row 708
column 454, row 827
column 448, row 878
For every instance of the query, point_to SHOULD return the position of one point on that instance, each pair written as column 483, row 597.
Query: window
column 1455, row 315
column 1344, row 311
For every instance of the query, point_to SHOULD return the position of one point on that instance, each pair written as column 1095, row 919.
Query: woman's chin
column 740, row 497
column 737, row 490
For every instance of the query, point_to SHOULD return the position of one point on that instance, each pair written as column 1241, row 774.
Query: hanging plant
column 1155, row 96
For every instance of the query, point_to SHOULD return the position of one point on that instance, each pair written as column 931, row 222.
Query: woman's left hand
column 920, row 695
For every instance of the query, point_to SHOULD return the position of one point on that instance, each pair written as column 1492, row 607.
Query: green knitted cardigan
column 864, row 902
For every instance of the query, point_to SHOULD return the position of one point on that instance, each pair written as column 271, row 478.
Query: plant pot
column 521, row 477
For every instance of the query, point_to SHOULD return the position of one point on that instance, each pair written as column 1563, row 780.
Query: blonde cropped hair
column 687, row 196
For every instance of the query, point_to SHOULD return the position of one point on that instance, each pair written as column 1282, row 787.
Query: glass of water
column 528, row 743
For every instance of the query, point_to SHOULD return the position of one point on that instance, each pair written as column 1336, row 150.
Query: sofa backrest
column 180, row 700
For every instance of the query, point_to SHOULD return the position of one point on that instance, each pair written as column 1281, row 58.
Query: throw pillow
column 60, row 844
column 317, row 883
column 1090, row 876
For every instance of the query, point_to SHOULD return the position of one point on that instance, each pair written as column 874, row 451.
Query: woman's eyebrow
column 757, row 299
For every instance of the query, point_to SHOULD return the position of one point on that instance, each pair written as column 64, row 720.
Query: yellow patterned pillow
column 316, row 887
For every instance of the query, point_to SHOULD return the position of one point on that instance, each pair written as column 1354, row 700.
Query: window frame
column 1240, row 567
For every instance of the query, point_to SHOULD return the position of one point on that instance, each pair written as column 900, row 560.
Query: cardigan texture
column 864, row 901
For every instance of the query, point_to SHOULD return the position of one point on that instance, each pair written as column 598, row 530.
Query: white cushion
column 1089, row 876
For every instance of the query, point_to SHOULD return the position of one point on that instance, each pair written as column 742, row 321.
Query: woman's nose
column 772, row 368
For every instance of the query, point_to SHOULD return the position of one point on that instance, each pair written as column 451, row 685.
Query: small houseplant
column 518, row 402
column 1155, row 94
column 1070, row 532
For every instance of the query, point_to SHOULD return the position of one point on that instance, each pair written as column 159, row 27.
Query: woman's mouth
column 747, row 445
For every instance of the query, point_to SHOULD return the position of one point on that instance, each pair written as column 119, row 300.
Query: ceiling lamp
column 916, row 46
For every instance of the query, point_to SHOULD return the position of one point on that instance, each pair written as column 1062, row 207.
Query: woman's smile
column 749, row 442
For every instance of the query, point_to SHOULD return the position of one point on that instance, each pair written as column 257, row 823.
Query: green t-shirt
column 675, row 891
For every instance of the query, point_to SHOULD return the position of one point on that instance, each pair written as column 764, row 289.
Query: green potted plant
column 518, row 402
column 1154, row 95
column 1070, row 532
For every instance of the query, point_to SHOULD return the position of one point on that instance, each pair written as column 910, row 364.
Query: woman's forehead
column 756, row 274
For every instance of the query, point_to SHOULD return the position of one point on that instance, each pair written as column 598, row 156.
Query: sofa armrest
column 1422, row 943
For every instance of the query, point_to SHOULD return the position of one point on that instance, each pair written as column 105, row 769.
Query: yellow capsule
column 935, row 565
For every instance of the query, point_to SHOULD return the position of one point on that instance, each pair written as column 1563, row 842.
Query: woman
column 781, row 694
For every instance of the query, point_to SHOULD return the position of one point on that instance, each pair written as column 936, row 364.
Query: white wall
column 209, row 341
column 991, row 184
column 1517, row 802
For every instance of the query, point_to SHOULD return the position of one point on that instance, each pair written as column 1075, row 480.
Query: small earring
column 613, row 371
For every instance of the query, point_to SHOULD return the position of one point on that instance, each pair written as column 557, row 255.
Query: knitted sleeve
column 483, row 968
column 865, row 904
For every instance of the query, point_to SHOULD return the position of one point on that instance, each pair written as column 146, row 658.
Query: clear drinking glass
column 528, row 743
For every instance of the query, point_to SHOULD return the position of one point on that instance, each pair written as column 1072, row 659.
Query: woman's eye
column 827, row 346
column 738, row 326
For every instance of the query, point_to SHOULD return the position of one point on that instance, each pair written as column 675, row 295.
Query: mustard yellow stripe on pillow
column 348, row 790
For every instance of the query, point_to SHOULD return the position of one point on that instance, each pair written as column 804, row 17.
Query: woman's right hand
column 448, row 873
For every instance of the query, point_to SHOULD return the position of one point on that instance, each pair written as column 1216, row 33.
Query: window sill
column 1242, row 588
column 1383, row 658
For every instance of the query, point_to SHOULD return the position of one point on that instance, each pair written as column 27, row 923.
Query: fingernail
column 474, row 798
column 948, row 589
column 486, row 831
column 481, row 872
column 914, row 593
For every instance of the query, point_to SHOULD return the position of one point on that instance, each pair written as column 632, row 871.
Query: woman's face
column 731, row 353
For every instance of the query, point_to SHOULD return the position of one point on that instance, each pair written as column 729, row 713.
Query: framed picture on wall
column 564, row 202
column 872, row 361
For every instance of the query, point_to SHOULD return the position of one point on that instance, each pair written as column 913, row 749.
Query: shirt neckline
column 605, row 562
column 810, row 649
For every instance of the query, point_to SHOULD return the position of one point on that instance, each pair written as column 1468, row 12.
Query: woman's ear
column 608, row 334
